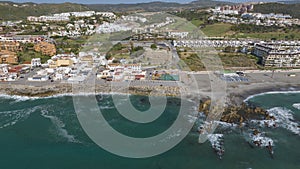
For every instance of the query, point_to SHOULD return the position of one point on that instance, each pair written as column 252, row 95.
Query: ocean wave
column 177, row 133
column 17, row 98
column 267, row 93
column 106, row 107
column 60, row 127
column 283, row 118
column 261, row 140
column 226, row 125
column 215, row 139
column 297, row 106
column 217, row 143
column 25, row 98
column 10, row 118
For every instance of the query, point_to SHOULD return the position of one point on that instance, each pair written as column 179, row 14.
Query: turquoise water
column 46, row 134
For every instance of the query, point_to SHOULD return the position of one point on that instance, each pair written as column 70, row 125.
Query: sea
column 45, row 133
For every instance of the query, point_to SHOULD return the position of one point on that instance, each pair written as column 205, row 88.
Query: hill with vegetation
column 155, row 6
column 290, row 9
column 290, row 2
column 17, row 11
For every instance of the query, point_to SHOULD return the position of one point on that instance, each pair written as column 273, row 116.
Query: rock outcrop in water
column 236, row 114
column 239, row 115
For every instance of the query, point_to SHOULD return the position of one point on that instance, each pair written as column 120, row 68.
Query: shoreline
column 239, row 97
column 235, row 97
column 58, row 90
column 236, row 92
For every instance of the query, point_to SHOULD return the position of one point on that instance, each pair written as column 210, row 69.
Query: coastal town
column 143, row 56
column 228, row 52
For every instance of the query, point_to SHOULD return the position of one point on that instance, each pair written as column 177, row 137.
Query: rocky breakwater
column 35, row 91
column 62, row 88
column 156, row 90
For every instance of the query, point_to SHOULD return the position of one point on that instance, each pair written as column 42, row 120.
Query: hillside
column 291, row 9
column 290, row 2
column 15, row 11
column 155, row 6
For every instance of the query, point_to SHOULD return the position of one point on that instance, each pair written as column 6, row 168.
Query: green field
column 197, row 22
column 279, row 35
column 190, row 61
column 217, row 29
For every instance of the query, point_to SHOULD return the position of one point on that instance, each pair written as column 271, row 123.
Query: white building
column 36, row 62
column 38, row 78
column 177, row 34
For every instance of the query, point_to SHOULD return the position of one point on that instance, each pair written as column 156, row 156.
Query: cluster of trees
column 28, row 53
column 153, row 46
column 290, row 9
column 251, row 28
column 65, row 44
column 192, row 14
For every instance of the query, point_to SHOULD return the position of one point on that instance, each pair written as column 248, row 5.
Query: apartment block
column 278, row 55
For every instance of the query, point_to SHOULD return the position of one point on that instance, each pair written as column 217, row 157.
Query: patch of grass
column 70, row 45
column 190, row 61
column 197, row 22
column 28, row 55
column 278, row 35
column 238, row 60
column 217, row 29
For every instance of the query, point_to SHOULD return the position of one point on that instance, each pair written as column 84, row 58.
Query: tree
column 229, row 49
column 153, row 46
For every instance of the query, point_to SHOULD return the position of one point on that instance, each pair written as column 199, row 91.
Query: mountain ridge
column 16, row 11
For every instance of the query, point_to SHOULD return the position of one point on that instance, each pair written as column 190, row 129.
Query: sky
column 117, row 1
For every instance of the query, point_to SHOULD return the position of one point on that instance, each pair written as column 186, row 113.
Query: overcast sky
column 117, row 1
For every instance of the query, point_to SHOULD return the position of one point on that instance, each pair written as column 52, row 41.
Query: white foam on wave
column 191, row 118
column 217, row 143
column 60, row 127
column 25, row 98
column 283, row 118
column 177, row 133
column 106, row 107
column 10, row 118
column 267, row 93
column 215, row 139
column 226, row 125
column 296, row 105
column 260, row 140
column 17, row 98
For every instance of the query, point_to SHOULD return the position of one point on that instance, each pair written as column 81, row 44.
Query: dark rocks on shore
column 35, row 91
column 236, row 114
column 50, row 90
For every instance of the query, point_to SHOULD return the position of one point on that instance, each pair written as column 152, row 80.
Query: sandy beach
column 237, row 92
